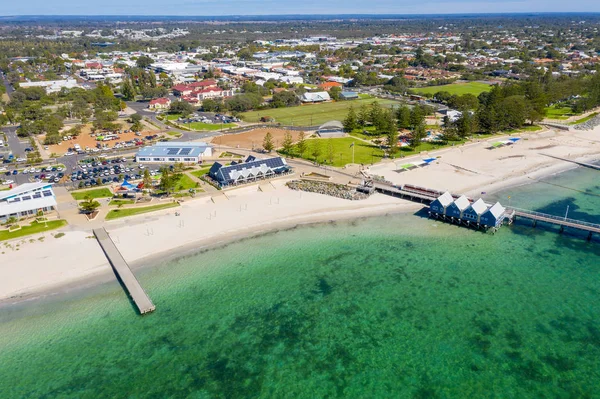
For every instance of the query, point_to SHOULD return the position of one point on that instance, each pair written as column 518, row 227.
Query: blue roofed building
column 245, row 172
column 174, row 152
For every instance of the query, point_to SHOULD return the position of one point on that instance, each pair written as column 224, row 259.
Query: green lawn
column 35, row 227
column 117, row 202
column 582, row 120
column 185, row 183
column 96, row 193
column 313, row 114
column 201, row 172
column 121, row 213
column 208, row 126
column 342, row 151
column 558, row 112
column 475, row 88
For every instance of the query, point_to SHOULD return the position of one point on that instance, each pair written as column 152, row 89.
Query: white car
column 2, row 169
column 60, row 169
column 25, row 171
column 21, row 159
column 68, row 153
column 9, row 181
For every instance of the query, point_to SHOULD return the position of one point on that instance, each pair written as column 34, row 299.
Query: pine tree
column 268, row 142
column 363, row 116
column 301, row 145
column 127, row 90
column 417, row 136
column 316, row 150
column 350, row 122
column 288, row 143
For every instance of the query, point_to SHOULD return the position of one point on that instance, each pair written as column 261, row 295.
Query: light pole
column 567, row 212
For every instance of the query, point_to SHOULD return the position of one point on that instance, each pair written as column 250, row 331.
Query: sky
column 276, row 7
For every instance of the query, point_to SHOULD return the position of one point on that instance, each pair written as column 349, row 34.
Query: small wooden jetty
column 124, row 273
column 427, row 196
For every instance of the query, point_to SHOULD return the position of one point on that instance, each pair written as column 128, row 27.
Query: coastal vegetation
column 125, row 212
column 33, row 228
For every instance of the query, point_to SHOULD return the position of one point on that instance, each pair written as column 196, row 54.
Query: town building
column 317, row 97
column 252, row 169
column 174, row 152
column 159, row 103
column 26, row 200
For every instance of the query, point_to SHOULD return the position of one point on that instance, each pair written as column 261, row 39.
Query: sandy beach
column 30, row 267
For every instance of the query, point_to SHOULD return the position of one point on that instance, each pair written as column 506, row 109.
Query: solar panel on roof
column 172, row 151
column 185, row 151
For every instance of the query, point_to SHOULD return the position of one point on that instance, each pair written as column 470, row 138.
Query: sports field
column 313, row 114
column 459, row 89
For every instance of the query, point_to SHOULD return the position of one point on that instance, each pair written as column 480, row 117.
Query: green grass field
column 35, row 227
column 185, row 183
column 209, row 126
column 582, row 120
column 201, row 172
column 118, row 202
column 558, row 112
column 313, row 114
column 121, row 213
column 96, row 193
column 475, row 88
column 341, row 151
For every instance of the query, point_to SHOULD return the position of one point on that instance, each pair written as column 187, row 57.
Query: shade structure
column 514, row 139
column 429, row 160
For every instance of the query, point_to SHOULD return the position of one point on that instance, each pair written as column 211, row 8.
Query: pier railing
column 559, row 219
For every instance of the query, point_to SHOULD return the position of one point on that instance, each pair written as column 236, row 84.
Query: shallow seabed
column 397, row 306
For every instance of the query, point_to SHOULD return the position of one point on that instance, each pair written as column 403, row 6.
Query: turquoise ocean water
column 388, row 307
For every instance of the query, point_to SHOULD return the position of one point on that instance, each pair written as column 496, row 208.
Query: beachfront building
column 26, row 200
column 474, row 212
column 245, row 172
column 493, row 217
column 174, row 152
column 318, row 97
column 455, row 209
column 441, row 203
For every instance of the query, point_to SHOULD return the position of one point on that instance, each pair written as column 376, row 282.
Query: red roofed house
column 329, row 85
column 189, row 89
column 159, row 103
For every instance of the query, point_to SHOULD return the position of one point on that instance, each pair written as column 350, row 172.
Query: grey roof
column 230, row 174
column 174, row 149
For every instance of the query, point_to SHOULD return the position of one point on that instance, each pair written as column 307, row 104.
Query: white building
column 26, row 200
column 174, row 152
column 52, row 86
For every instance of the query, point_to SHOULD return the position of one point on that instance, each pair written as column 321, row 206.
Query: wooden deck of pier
column 124, row 273
column 562, row 222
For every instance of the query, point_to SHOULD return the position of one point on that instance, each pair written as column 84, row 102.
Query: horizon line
column 386, row 15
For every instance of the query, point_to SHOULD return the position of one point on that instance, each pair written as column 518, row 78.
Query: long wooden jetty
column 427, row 195
column 124, row 273
column 562, row 222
